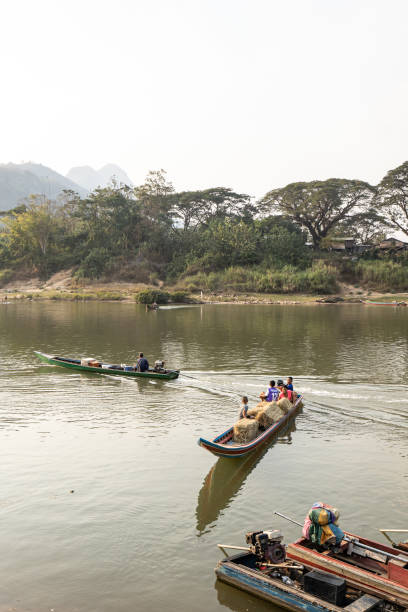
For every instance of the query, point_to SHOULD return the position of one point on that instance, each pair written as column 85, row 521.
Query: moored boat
column 103, row 368
column 369, row 303
column 381, row 571
column 262, row 570
column 223, row 445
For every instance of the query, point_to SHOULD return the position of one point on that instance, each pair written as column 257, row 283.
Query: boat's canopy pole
column 288, row 519
column 356, row 541
column 385, row 533
column 224, row 546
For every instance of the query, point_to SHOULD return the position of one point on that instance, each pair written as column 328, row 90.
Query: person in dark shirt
column 289, row 383
column 142, row 364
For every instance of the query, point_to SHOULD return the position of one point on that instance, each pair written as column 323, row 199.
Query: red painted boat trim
column 334, row 566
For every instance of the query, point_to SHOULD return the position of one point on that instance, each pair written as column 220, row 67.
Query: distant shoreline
column 125, row 293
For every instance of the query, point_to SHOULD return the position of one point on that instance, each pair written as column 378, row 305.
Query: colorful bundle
column 321, row 527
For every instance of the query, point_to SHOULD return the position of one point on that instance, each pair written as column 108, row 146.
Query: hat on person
column 280, row 383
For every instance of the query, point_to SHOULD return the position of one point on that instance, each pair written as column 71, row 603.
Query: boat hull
column 269, row 589
column 75, row 364
column 219, row 446
column 387, row 581
column 385, row 303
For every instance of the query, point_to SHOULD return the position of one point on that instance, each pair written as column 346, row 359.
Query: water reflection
column 226, row 478
column 128, row 447
column 241, row 601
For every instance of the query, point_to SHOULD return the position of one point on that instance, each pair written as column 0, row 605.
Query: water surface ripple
column 108, row 504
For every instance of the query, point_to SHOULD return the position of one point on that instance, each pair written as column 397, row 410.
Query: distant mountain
column 18, row 181
column 110, row 171
column 85, row 176
column 89, row 178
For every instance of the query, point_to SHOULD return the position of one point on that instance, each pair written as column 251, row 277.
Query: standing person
column 273, row 393
column 289, row 383
column 244, row 408
column 142, row 365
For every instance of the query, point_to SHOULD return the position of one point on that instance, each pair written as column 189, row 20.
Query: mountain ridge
column 19, row 181
column 89, row 178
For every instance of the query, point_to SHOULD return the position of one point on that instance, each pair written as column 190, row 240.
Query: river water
column 107, row 504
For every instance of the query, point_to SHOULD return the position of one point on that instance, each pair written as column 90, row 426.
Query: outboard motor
column 159, row 365
column 267, row 545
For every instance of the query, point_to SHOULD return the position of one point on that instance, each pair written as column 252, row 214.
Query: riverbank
column 63, row 289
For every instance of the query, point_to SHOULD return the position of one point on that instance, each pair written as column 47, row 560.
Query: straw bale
column 253, row 412
column 270, row 414
column 245, row 430
column 285, row 405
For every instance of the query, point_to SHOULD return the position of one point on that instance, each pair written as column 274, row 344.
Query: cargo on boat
column 263, row 569
column 225, row 446
column 96, row 367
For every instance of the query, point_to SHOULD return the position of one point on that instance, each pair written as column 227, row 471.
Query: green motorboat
column 104, row 368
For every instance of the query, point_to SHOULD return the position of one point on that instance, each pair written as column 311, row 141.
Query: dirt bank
column 62, row 286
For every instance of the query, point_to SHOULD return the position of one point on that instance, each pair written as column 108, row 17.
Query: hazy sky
column 249, row 94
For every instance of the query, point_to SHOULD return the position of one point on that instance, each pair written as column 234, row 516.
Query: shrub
column 383, row 274
column 109, row 295
column 148, row 296
column 319, row 278
column 94, row 264
column 5, row 276
column 179, row 297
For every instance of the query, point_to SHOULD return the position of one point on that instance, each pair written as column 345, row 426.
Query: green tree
column 367, row 227
column 155, row 197
column 319, row 206
column 194, row 208
column 281, row 242
column 30, row 236
column 392, row 197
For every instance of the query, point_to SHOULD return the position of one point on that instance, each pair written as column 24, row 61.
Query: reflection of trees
column 226, row 477
column 298, row 340
column 324, row 340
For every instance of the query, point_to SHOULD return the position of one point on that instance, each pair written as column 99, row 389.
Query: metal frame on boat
column 75, row 364
column 224, row 446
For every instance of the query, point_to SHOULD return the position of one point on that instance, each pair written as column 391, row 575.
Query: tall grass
column 383, row 275
column 319, row 278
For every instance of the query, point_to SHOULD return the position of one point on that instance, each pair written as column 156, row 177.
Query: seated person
column 284, row 391
column 273, row 393
column 289, row 383
column 142, row 364
column 244, row 408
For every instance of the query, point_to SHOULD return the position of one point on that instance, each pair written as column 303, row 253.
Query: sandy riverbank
column 63, row 287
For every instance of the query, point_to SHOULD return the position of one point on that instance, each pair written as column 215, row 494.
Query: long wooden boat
column 226, row 478
column 75, row 364
column 374, row 572
column 224, row 445
column 243, row 571
column 369, row 303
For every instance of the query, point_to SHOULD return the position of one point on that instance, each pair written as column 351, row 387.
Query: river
column 107, row 504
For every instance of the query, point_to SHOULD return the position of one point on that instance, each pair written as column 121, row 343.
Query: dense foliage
column 206, row 239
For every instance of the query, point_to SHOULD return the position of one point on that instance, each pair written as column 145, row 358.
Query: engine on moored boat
column 267, row 545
